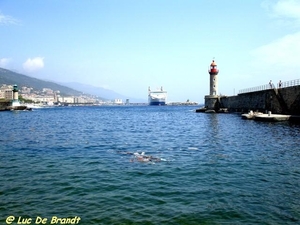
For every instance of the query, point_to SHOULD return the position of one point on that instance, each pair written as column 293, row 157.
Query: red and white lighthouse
column 213, row 71
column 211, row 100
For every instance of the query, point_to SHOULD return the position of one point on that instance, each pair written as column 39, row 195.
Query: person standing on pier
column 270, row 83
column 279, row 84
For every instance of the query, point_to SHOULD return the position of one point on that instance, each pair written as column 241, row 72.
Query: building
column 6, row 92
column 118, row 101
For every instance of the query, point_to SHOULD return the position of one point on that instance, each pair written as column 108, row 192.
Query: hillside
column 66, row 89
column 99, row 91
column 10, row 77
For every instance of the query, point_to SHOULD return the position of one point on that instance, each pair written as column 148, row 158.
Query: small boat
column 272, row 117
column 266, row 117
column 251, row 115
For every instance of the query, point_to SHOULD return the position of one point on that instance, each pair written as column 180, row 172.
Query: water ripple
column 217, row 168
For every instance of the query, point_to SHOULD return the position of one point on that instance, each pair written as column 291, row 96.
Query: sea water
column 76, row 165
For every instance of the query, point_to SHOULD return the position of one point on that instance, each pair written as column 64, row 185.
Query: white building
column 6, row 92
column 118, row 101
column 65, row 99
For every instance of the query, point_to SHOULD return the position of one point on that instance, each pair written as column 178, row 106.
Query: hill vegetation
column 9, row 77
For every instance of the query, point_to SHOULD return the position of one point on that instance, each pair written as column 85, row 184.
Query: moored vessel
column 157, row 97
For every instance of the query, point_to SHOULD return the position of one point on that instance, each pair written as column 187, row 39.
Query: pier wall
column 4, row 105
column 281, row 101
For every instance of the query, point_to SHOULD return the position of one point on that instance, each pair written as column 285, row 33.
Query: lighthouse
column 213, row 71
column 211, row 100
column 15, row 100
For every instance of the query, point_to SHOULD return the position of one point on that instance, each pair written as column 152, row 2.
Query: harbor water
column 77, row 165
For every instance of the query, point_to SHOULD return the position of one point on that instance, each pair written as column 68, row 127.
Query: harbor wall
column 4, row 105
column 279, row 101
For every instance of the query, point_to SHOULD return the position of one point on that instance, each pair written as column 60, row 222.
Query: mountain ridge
column 66, row 89
column 10, row 77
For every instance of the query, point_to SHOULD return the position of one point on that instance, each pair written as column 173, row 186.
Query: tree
column 21, row 99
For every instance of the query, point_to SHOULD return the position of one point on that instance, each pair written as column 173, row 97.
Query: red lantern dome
column 213, row 68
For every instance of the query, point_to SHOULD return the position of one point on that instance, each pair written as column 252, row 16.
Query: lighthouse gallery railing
column 268, row 86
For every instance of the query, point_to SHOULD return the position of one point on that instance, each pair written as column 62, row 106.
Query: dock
column 16, row 108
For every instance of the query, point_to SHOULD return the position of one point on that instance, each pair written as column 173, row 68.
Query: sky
column 128, row 45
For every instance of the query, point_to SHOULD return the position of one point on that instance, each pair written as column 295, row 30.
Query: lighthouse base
column 212, row 105
column 15, row 103
column 211, row 102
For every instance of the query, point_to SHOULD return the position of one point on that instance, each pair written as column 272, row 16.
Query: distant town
column 51, row 97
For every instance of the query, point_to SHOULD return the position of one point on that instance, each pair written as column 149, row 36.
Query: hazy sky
column 128, row 45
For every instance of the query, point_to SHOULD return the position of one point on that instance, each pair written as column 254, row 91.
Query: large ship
column 157, row 97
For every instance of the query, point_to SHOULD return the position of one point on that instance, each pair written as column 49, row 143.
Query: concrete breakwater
column 7, row 106
column 4, row 105
column 277, row 100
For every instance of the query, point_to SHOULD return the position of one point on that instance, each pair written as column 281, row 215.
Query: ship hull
column 157, row 103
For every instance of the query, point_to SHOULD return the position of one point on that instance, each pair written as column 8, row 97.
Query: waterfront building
column 6, row 92
column 118, row 101
column 66, row 99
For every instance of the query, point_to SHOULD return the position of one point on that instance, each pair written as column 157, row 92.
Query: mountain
column 11, row 78
column 99, row 91
column 66, row 89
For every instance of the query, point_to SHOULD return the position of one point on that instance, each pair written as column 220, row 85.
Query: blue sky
column 128, row 45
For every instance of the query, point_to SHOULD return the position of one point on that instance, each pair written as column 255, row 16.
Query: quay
column 8, row 106
column 283, row 99
column 12, row 108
